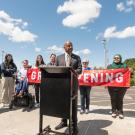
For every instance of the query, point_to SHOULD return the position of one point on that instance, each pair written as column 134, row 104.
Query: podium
column 58, row 89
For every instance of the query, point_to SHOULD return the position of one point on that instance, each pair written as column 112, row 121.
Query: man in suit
column 70, row 59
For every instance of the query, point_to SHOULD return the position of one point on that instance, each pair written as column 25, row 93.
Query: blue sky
column 32, row 27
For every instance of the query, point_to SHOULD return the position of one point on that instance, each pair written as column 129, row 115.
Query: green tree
column 130, row 63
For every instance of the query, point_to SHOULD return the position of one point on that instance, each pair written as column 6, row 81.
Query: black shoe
column 75, row 131
column 61, row 125
column 11, row 105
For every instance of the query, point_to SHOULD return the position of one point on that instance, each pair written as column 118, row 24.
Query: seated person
column 22, row 80
column 21, row 87
column 22, row 97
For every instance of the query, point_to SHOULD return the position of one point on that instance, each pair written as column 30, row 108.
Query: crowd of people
column 10, row 74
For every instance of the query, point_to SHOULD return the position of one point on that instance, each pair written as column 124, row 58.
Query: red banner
column 34, row 75
column 111, row 77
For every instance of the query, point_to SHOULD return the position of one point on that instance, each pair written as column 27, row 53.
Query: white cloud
column 83, row 52
column 83, row 28
column 126, row 7
column 80, row 12
column 37, row 49
column 120, row 6
column 99, row 36
column 14, row 29
column 130, row 2
column 23, row 46
column 25, row 24
column 112, row 33
column 55, row 49
column 60, row 50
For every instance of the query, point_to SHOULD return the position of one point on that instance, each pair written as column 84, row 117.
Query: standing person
column 85, row 91
column 39, row 62
column 8, row 71
column 117, row 93
column 52, row 60
column 70, row 59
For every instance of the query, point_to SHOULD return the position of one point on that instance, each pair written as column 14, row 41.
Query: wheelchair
column 26, row 99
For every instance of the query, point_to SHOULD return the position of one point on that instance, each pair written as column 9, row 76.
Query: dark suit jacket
column 75, row 62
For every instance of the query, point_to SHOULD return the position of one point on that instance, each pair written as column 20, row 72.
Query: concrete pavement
column 97, row 122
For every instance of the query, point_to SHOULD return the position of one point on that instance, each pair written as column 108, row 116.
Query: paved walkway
column 97, row 122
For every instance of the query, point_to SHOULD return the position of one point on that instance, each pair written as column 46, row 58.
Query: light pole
column 2, row 54
column 106, row 60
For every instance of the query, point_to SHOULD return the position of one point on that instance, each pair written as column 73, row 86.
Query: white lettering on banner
column 119, row 77
column 102, row 77
column 109, row 77
column 39, row 75
column 94, row 77
column 33, row 75
column 86, row 77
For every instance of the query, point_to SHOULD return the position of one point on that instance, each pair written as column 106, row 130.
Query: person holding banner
column 70, row 59
column 39, row 62
column 52, row 60
column 117, row 93
column 85, row 91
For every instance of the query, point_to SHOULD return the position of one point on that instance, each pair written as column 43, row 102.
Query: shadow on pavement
column 106, row 112
column 3, row 110
column 24, row 109
column 129, row 114
column 27, row 109
column 92, row 127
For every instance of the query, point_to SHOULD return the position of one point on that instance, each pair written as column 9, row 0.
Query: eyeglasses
column 116, row 58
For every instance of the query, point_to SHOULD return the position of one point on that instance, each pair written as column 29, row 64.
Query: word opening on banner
column 109, row 77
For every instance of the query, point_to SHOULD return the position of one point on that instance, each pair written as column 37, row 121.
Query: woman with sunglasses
column 85, row 91
column 117, row 93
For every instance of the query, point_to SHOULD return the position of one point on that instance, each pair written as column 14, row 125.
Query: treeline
column 131, row 63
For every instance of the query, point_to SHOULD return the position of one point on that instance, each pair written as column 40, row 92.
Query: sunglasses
column 116, row 58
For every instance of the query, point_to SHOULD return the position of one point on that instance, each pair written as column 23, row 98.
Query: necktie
column 68, row 61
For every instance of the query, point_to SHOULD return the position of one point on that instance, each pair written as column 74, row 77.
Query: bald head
column 68, row 46
column 68, row 42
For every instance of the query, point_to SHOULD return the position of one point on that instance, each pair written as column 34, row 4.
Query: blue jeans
column 85, row 96
column 22, row 85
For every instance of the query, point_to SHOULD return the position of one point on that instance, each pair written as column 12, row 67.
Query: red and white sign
column 111, row 77
column 34, row 75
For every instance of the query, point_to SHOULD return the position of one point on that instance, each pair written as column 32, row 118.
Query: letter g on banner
column 33, row 75
column 119, row 77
